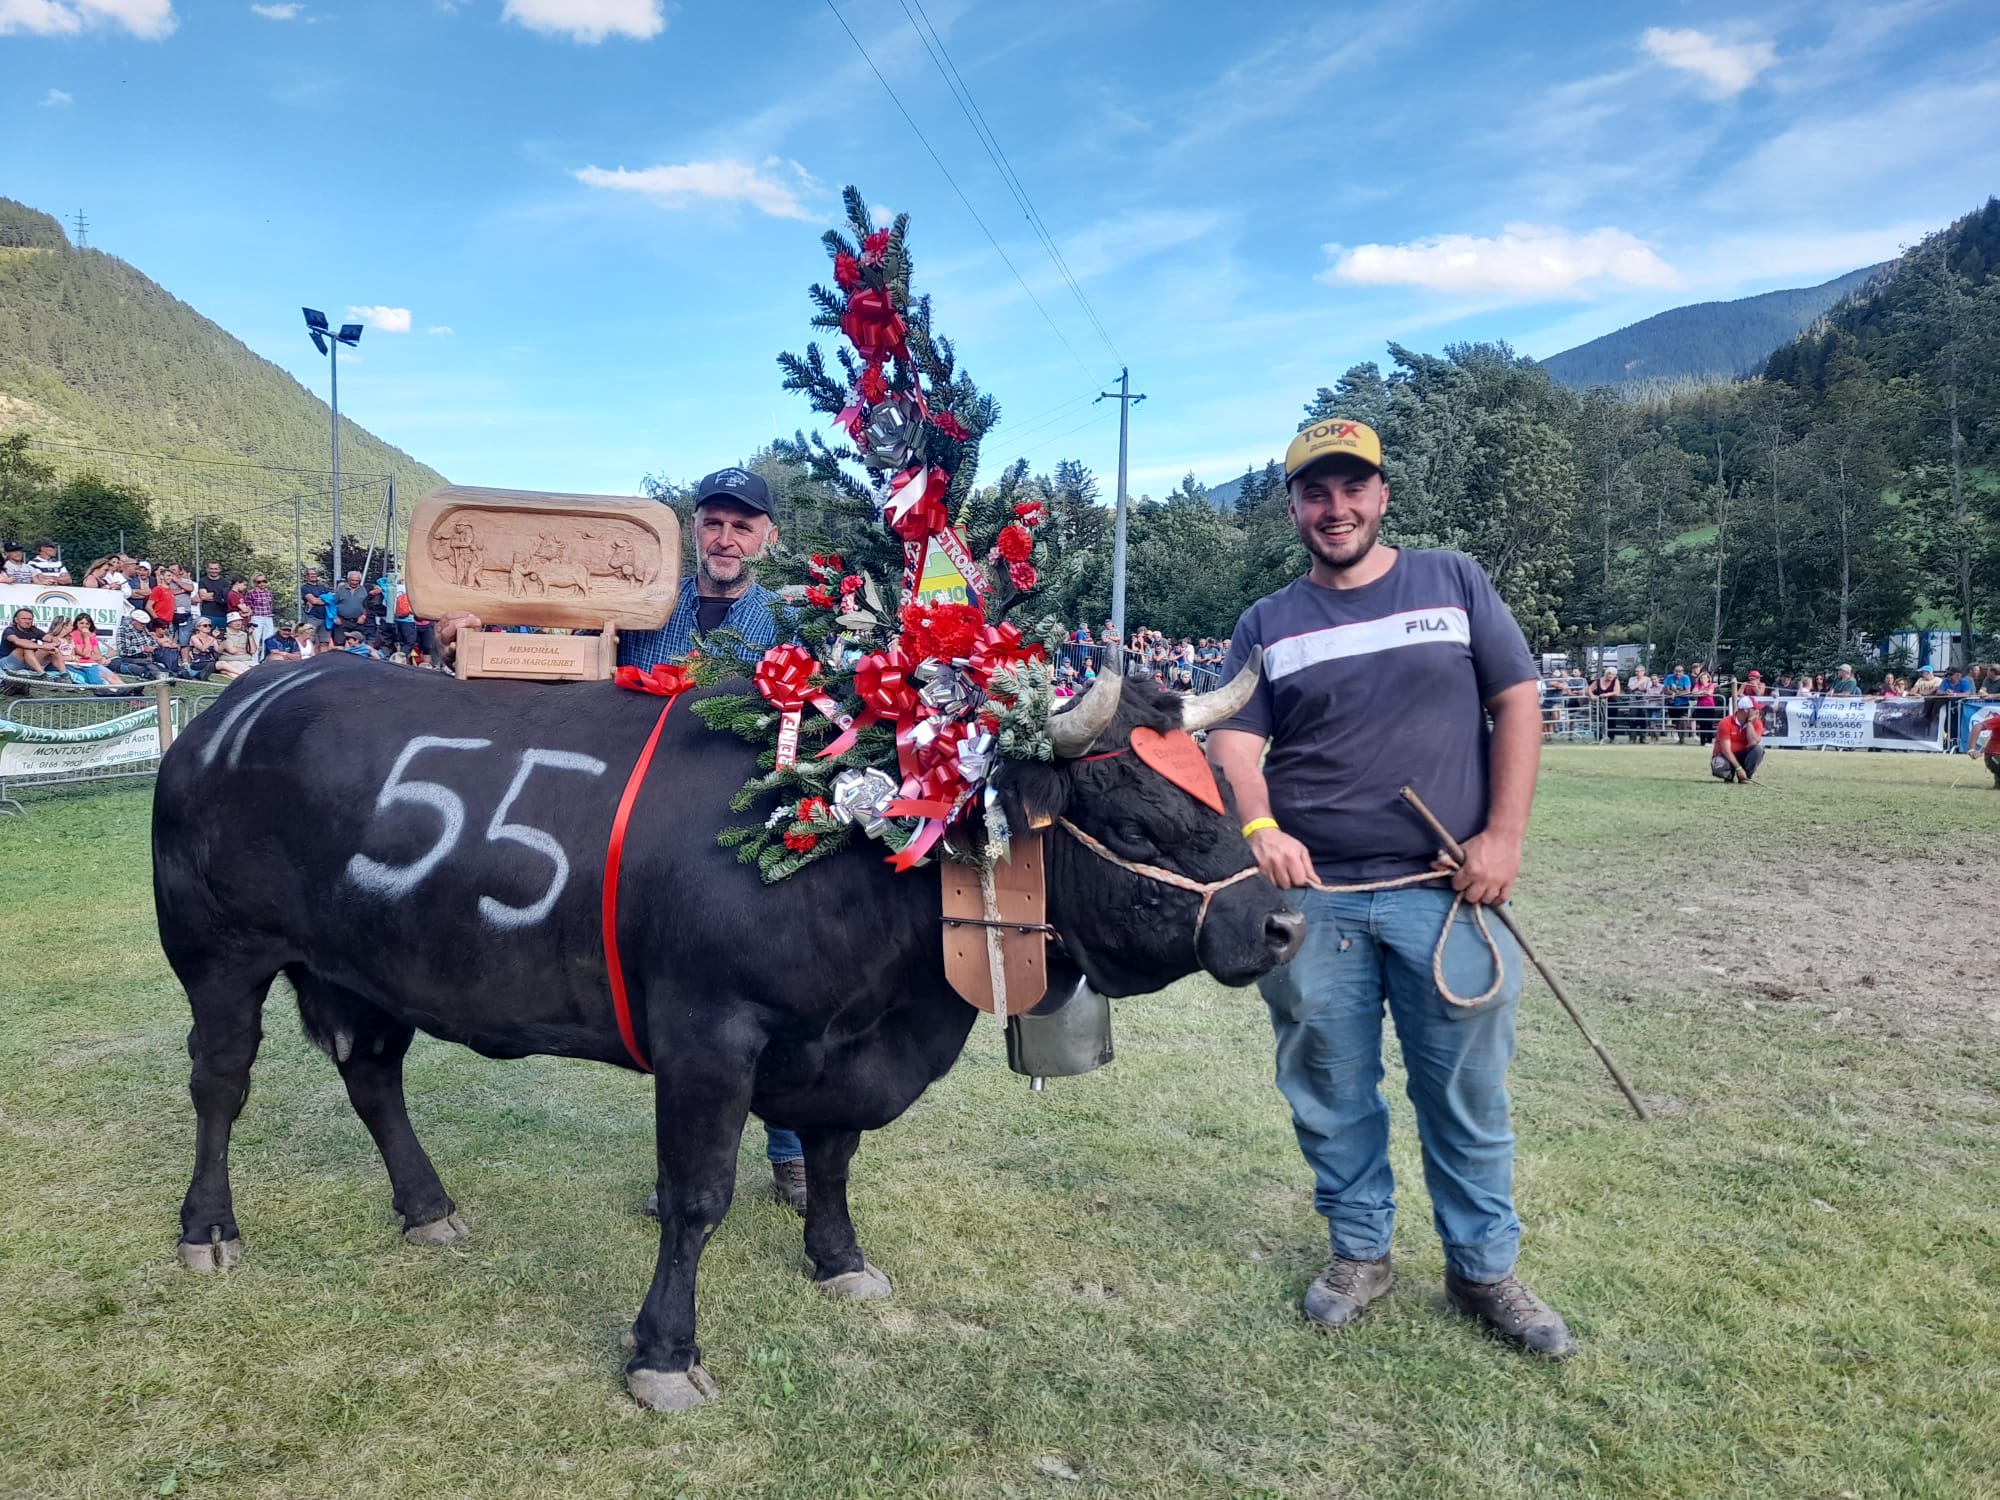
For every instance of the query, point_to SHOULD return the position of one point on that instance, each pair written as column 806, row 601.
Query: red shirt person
column 1739, row 744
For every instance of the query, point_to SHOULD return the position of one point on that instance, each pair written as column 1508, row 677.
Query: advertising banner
column 29, row 751
column 61, row 602
column 1825, row 723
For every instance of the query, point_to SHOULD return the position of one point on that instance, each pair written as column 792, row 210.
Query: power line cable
column 1045, row 442
column 961, row 94
column 925, row 140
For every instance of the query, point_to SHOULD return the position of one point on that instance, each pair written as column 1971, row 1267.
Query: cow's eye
column 1132, row 840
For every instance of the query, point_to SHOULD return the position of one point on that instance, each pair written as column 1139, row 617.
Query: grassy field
column 1788, row 1284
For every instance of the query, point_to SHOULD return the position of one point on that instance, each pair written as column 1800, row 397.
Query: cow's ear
column 1033, row 795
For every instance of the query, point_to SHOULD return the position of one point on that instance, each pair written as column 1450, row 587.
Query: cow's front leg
column 838, row 1267
column 699, row 1122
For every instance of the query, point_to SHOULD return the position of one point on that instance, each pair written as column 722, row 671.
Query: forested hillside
column 93, row 355
column 1705, row 343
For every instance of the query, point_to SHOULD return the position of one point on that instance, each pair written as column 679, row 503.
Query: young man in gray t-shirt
column 1380, row 667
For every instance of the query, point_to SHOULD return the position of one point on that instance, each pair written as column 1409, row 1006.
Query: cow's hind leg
column 838, row 1267
column 228, row 1006
column 367, row 1044
column 700, row 1124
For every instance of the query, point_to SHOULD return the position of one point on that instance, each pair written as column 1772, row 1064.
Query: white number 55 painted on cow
column 380, row 879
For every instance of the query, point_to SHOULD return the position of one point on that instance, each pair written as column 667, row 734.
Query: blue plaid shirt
column 753, row 617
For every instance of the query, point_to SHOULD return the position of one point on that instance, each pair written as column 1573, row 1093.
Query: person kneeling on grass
column 1739, row 744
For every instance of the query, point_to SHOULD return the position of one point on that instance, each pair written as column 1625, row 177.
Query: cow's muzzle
column 1284, row 931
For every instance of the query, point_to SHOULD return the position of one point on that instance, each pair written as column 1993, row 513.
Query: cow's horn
column 1206, row 710
column 1076, row 728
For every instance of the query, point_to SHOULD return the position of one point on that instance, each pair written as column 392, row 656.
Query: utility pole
column 82, row 230
column 1124, row 397
column 298, row 549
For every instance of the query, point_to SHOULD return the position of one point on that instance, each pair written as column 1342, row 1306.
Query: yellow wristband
column 1256, row 825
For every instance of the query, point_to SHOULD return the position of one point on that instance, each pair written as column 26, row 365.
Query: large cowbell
column 1061, row 1038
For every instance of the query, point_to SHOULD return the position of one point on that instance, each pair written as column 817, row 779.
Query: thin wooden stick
column 1456, row 851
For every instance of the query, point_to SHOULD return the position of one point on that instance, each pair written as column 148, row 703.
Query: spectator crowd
column 197, row 626
column 1645, row 708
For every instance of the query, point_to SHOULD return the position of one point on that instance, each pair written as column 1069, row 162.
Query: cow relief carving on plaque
column 507, row 554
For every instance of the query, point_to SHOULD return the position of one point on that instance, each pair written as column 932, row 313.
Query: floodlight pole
column 1124, row 397
column 333, row 362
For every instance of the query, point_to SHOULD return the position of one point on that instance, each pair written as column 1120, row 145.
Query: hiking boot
column 788, row 1185
column 1342, row 1292
column 1513, row 1312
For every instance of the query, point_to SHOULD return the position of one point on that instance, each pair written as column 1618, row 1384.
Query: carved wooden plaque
column 520, row 557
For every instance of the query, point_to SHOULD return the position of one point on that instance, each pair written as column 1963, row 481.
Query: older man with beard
column 735, row 523
column 1380, row 668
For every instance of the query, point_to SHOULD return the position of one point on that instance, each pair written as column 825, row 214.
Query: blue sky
column 584, row 227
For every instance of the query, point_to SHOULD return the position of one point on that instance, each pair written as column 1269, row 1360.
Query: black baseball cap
column 12, row 547
column 739, row 487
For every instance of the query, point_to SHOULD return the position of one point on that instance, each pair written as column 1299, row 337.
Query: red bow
column 667, row 680
column 782, row 677
column 916, row 503
column 874, row 326
column 881, row 680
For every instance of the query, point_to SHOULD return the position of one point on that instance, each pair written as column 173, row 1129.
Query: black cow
column 412, row 851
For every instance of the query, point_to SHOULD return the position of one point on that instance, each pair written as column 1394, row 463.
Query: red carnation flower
column 851, row 584
column 846, row 271
column 874, row 247
column 819, row 598
column 1030, row 513
column 802, row 843
column 812, row 809
column 873, row 386
column 1022, row 575
column 1015, row 543
column 950, row 426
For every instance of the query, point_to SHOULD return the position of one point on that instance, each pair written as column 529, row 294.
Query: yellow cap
column 1331, row 439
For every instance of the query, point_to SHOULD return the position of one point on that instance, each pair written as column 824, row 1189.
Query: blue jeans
column 782, row 1145
column 1326, row 1006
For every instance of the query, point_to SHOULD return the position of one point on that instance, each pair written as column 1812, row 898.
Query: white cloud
column 589, row 21
column 56, row 99
column 438, row 328
column 289, row 11
column 718, row 181
column 1524, row 261
column 880, row 216
column 1883, row 151
column 1728, row 68
column 388, row 319
column 147, row 19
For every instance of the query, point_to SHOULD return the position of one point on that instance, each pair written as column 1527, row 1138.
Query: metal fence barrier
column 1198, row 677
column 1641, row 719
column 61, row 710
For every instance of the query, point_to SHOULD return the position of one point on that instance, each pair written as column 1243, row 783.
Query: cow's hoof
column 671, row 1390
column 216, row 1255
column 863, row 1285
column 446, row 1231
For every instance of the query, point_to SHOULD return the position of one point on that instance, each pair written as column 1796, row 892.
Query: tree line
column 1846, row 492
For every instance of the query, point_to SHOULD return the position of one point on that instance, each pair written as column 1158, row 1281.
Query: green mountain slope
column 1703, row 344
column 95, row 356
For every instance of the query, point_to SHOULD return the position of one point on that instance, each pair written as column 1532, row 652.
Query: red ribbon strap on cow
column 668, row 681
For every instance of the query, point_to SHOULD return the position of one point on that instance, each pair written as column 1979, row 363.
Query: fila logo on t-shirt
column 1410, row 627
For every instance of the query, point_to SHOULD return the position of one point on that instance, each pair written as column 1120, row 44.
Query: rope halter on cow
column 1206, row 889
